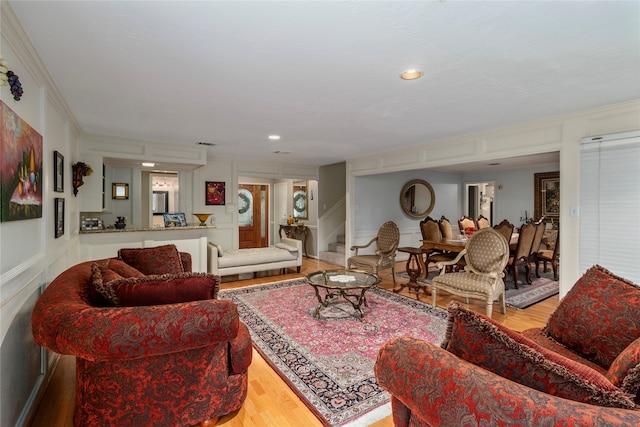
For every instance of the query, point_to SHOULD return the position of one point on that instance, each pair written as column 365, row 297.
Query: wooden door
column 253, row 216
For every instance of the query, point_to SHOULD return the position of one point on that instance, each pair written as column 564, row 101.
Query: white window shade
column 610, row 204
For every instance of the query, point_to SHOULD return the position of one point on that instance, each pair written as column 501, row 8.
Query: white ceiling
column 325, row 75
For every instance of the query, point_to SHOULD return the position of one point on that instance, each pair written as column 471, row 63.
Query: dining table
column 448, row 245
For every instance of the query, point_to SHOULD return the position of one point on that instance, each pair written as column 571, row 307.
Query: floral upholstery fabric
column 432, row 387
column 485, row 343
column 163, row 259
column 599, row 317
column 624, row 372
column 161, row 365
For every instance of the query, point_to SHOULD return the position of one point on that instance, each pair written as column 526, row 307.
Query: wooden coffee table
column 348, row 284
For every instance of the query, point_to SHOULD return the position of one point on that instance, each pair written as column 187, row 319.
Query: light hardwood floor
column 270, row 402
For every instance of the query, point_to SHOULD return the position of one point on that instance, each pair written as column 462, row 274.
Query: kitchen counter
column 127, row 229
column 99, row 244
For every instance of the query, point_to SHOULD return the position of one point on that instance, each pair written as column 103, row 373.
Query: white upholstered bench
column 287, row 253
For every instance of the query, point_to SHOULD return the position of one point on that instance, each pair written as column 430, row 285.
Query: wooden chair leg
column 489, row 307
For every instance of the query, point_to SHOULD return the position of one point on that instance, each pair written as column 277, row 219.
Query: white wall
column 30, row 255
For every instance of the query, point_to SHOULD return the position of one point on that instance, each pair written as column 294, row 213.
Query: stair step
column 336, row 247
column 332, row 257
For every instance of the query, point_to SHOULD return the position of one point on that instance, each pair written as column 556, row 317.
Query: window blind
column 610, row 204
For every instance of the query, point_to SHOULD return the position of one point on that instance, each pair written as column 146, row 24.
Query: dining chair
column 445, row 228
column 541, row 226
column 465, row 222
column 549, row 255
column 486, row 256
column 482, row 222
column 505, row 228
column 386, row 245
column 430, row 229
column 520, row 254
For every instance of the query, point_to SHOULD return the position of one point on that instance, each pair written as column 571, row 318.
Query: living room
column 31, row 256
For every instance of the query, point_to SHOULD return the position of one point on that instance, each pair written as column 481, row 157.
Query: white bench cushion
column 254, row 256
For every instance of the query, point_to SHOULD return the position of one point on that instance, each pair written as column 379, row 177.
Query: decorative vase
column 203, row 218
column 120, row 223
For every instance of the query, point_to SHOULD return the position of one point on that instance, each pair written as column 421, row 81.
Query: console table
column 292, row 232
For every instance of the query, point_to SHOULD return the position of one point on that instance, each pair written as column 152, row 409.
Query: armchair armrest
column 429, row 383
column 107, row 333
column 356, row 247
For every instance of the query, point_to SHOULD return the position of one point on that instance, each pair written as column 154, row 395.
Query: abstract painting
column 20, row 168
column 214, row 193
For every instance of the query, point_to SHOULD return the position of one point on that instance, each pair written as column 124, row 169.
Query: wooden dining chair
column 521, row 253
column 445, row 228
column 505, row 228
column 541, row 226
column 482, row 222
column 549, row 255
column 465, row 222
column 430, row 229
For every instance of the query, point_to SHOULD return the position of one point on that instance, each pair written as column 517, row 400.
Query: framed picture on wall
column 547, row 196
column 214, row 193
column 59, row 216
column 58, row 172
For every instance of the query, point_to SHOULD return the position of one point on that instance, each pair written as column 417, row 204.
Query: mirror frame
column 300, row 185
column 404, row 191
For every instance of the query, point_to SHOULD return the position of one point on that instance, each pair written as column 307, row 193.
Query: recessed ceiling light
column 274, row 137
column 148, row 165
column 411, row 74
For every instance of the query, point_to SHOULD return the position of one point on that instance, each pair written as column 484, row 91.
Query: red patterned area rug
column 329, row 361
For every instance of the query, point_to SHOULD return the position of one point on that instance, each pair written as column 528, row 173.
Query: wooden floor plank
column 270, row 402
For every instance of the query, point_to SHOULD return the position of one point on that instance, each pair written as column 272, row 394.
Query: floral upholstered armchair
column 581, row 369
column 151, row 350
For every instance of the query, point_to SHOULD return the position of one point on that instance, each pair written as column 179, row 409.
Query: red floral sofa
column 151, row 363
column 581, row 369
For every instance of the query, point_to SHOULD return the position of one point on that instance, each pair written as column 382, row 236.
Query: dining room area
column 439, row 211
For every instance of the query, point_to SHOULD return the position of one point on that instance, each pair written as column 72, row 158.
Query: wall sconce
column 79, row 171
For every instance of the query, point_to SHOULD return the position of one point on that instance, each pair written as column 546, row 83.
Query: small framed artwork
column 175, row 219
column 58, row 172
column 214, row 193
column 59, row 216
column 120, row 191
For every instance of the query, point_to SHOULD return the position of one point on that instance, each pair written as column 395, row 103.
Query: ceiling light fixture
column 148, row 165
column 274, row 137
column 208, row 144
column 411, row 74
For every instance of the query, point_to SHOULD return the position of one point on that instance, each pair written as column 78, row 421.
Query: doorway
column 479, row 197
column 253, row 216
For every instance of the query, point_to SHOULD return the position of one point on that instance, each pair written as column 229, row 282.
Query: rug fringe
column 370, row 417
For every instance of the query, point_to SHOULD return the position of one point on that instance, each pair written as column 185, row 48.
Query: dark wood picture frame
column 59, row 216
column 547, row 196
column 58, row 172
column 214, row 193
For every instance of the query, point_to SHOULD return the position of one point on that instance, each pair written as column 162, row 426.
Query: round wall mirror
column 417, row 198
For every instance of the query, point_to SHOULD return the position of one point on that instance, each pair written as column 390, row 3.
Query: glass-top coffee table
column 348, row 284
